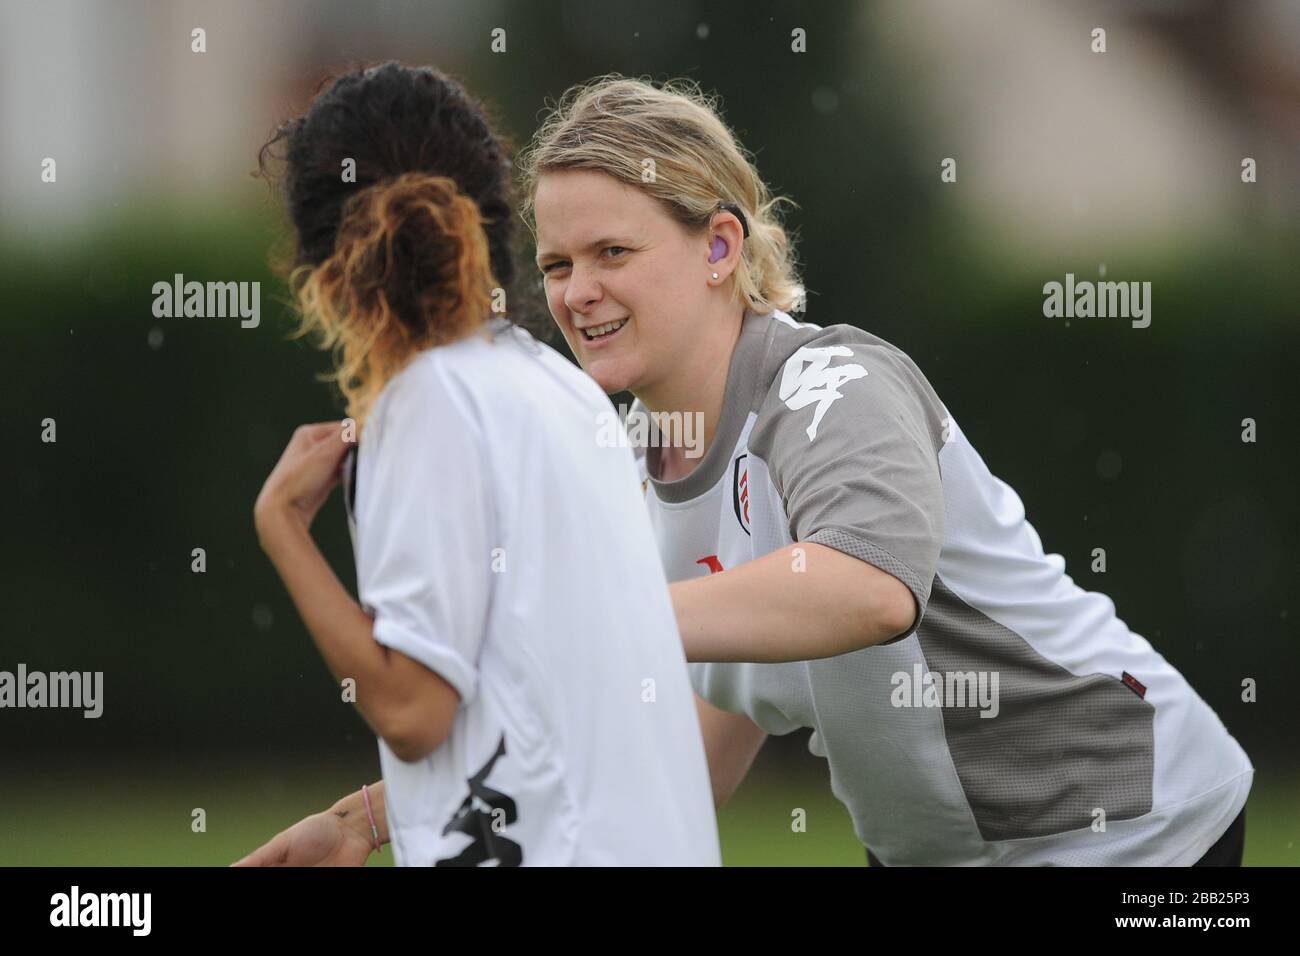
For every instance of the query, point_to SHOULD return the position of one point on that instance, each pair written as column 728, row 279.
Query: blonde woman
column 530, row 708
column 843, row 559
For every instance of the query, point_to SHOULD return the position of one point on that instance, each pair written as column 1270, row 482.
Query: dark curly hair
column 415, row 248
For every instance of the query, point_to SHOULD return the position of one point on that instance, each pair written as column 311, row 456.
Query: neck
column 697, row 386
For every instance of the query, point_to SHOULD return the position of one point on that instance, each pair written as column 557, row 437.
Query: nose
column 582, row 292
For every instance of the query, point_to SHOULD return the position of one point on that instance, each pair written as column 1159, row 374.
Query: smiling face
column 614, row 261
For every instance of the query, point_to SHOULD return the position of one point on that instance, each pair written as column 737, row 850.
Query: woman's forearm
column 791, row 606
column 404, row 702
column 342, row 631
column 352, row 811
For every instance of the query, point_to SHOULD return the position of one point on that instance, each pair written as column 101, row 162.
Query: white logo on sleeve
column 806, row 379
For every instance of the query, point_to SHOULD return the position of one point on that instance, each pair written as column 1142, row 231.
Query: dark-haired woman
column 530, row 709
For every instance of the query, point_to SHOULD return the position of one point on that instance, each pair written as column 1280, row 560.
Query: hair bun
column 414, row 247
column 410, row 270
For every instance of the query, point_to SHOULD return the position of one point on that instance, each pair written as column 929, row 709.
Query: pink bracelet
column 374, row 830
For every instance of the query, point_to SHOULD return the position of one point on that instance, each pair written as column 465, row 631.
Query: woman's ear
column 725, row 236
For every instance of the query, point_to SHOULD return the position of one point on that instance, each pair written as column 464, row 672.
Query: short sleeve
column 424, row 524
column 850, row 432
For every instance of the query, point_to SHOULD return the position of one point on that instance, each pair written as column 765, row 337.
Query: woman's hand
column 322, row 839
column 302, row 480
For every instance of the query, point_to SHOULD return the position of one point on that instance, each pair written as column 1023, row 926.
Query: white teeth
column 597, row 331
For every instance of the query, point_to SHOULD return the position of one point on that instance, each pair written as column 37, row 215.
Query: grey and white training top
column 1021, row 721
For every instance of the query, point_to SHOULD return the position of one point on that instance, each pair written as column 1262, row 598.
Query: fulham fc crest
column 740, row 491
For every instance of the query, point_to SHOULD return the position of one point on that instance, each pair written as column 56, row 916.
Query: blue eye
column 610, row 249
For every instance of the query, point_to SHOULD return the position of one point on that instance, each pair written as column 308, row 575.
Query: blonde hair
column 670, row 142
column 410, row 270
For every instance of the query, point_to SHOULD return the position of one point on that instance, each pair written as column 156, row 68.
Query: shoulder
column 793, row 348
column 508, row 374
column 429, row 384
column 437, row 392
column 839, row 379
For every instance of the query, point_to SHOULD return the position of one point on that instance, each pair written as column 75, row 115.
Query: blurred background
column 1125, row 164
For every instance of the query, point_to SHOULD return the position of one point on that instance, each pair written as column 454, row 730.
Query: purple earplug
column 717, row 248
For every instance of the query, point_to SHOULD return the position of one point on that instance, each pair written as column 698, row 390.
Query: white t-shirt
column 1020, row 721
column 496, row 542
